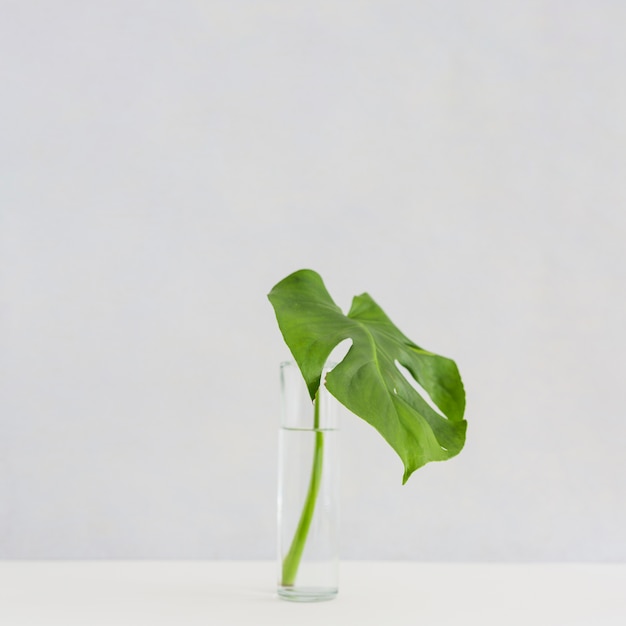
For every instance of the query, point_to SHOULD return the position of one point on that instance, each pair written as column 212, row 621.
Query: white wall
column 163, row 164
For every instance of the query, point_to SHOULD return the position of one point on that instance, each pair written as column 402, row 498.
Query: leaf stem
column 292, row 559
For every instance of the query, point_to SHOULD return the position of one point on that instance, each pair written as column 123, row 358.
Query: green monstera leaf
column 373, row 379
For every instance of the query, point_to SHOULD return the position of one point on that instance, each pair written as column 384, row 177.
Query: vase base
column 307, row 594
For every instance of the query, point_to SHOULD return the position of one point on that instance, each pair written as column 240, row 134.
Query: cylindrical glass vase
column 308, row 490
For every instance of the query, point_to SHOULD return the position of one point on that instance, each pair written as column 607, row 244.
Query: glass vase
column 308, row 490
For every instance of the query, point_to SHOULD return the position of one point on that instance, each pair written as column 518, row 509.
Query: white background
column 163, row 164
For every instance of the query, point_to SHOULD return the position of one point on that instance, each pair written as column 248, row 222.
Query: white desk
column 183, row 593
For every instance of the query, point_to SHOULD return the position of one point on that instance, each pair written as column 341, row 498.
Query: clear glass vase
column 308, row 490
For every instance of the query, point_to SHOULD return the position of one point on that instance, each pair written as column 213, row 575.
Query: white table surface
column 186, row 593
